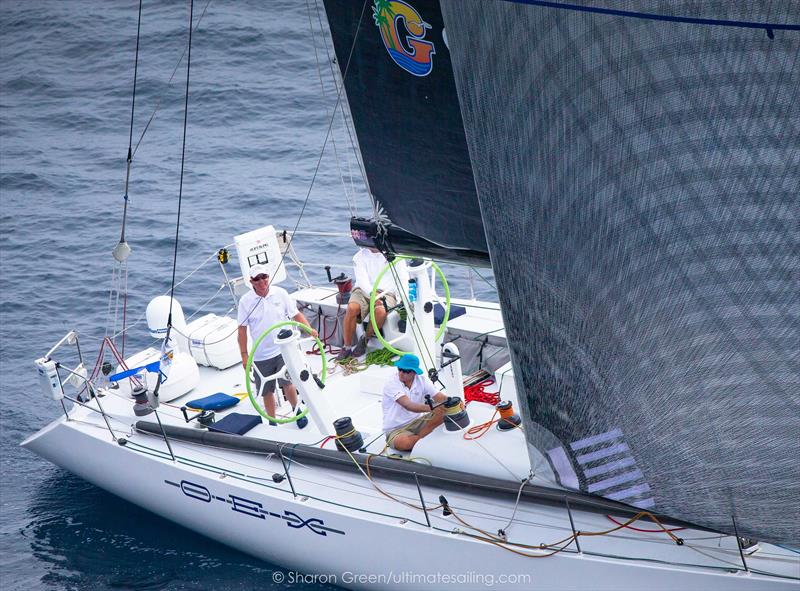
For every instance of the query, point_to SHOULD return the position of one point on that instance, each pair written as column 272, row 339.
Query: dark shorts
column 267, row 367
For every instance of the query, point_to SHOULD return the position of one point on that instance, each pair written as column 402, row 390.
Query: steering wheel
column 375, row 293
column 248, row 383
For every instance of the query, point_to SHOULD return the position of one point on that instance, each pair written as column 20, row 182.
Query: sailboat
column 631, row 178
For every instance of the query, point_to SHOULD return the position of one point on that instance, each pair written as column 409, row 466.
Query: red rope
column 477, row 393
column 325, row 335
column 648, row 531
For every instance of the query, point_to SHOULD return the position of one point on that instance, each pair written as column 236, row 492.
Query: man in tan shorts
column 367, row 265
column 406, row 417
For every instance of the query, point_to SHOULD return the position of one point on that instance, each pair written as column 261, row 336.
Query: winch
column 347, row 438
column 343, row 283
column 455, row 417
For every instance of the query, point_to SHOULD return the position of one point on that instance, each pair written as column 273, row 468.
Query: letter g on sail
column 413, row 53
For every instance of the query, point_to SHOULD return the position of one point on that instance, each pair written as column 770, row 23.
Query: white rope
column 516, row 503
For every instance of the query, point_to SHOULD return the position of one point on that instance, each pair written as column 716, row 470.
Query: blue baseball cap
column 409, row 362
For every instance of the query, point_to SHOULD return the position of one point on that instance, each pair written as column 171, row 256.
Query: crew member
column 406, row 417
column 367, row 265
column 259, row 309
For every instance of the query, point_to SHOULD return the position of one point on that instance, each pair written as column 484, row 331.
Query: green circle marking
column 258, row 408
column 375, row 293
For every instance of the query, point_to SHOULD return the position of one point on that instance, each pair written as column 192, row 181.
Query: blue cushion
column 455, row 312
column 218, row 401
column 235, row 424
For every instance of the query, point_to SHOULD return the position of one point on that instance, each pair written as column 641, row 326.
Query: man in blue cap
column 406, row 417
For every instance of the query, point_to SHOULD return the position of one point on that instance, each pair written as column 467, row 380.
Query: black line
column 661, row 17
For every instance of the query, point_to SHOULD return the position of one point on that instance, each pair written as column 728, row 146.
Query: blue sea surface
column 256, row 126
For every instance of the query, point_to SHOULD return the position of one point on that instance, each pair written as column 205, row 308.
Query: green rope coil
column 382, row 357
column 249, row 386
column 375, row 293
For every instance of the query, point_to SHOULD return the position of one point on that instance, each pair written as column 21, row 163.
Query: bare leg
column 407, row 442
column 290, row 391
column 269, row 403
column 350, row 316
column 380, row 318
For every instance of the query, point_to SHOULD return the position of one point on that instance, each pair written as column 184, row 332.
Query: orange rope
column 651, row 531
column 480, row 430
column 561, row 544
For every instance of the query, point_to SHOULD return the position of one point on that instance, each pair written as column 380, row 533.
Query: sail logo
column 411, row 52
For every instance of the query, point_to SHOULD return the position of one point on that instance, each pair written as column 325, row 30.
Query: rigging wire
column 180, row 201
column 350, row 204
column 183, row 162
column 327, row 135
column 330, row 123
column 169, row 83
column 119, row 281
column 343, row 107
column 122, row 250
column 130, row 135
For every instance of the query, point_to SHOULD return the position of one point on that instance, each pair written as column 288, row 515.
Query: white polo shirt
column 258, row 314
column 395, row 415
column 367, row 265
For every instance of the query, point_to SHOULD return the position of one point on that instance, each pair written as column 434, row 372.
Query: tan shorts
column 412, row 428
column 362, row 299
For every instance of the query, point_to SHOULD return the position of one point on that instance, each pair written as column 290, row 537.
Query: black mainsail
column 638, row 180
column 402, row 96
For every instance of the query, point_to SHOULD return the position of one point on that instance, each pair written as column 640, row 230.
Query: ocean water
column 258, row 115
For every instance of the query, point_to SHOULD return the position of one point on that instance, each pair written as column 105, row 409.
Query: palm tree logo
column 382, row 13
column 412, row 51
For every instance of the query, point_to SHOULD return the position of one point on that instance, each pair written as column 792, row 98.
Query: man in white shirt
column 367, row 265
column 258, row 310
column 406, row 417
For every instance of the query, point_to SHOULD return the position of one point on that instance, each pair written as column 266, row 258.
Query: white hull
column 380, row 544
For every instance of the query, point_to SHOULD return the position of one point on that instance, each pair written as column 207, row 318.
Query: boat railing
column 50, row 375
column 447, row 510
column 78, row 378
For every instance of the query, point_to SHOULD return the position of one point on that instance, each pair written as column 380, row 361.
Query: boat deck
column 235, row 495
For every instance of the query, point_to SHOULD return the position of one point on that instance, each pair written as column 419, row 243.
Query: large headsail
column 646, row 177
column 403, row 100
